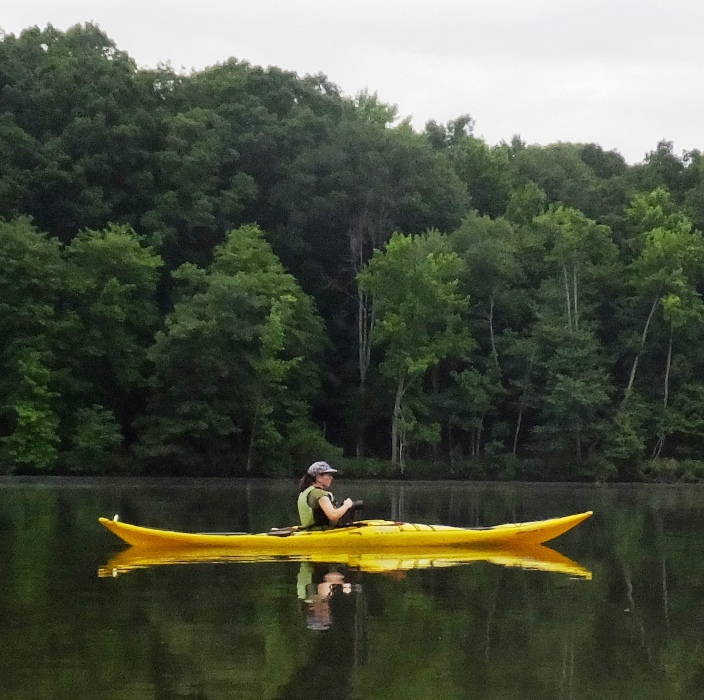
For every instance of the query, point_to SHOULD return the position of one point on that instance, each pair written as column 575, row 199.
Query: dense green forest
column 239, row 270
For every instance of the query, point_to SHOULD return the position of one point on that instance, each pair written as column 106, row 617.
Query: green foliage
column 553, row 310
column 234, row 364
column 34, row 442
column 525, row 204
column 494, row 275
column 665, row 277
column 414, row 286
column 485, row 172
column 625, row 442
column 674, row 471
column 84, row 316
column 576, row 396
column 30, row 281
column 94, row 441
column 112, row 280
column 370, row 109
column 451, row 134
column 414, row 283
column 568, row 177
column 78, row 101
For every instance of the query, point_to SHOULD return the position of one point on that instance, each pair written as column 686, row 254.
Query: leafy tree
column 472, row 397
column 235, row 365
column 259, row 122
column 486, row 173
column 490, row 250
column 414, row 284
column 451, row 134
column 80, row 102
column 585, row 275
column 18, row 156
column 668, row 267
column 350, row 192
column 369, row 108
column 604, row 164
column 663, row 278
column 693, row 201
column 31, row 272
column 34, row 442
column 576, row 394
column 581, row 250
column 344, row 198
column 525, row 204
column 201, row 190
column 95, row 438
column 77, row 325
column 110, row 319
column 494, row 280
column 483, row 170
column 582, row 263
column 661, row 169
column 568, row 175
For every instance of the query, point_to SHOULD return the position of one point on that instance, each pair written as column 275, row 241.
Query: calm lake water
column 631, row 625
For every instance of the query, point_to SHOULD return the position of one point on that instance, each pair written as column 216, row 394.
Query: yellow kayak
column 529, row 557
column 364, row 536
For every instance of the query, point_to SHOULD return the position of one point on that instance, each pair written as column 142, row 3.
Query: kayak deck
column 361, row 536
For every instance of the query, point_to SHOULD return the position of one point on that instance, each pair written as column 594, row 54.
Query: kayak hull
column 360, row 537
column 534, row 557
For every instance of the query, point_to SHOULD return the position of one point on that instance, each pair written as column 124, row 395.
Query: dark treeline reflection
column 292, row 630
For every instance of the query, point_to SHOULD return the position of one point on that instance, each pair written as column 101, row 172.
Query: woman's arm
column 334, row 514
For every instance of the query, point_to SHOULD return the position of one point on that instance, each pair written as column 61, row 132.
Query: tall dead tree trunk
column 643, row 338
column 396, row 423
column 522, row 402
column 567, row 297
column 666, row 395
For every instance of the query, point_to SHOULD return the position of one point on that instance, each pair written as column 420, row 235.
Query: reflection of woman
column 335, row 641
column 319, row 616
column 315, row 502
column 316, row 587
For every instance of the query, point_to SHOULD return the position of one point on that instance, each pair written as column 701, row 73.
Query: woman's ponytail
column 306, row 481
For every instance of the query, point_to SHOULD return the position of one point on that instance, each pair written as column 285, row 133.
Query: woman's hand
column 334, row 514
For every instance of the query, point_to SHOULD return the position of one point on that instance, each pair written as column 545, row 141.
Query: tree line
column 239, row 270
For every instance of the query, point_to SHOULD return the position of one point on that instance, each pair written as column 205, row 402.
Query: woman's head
column 320, row 473
column 319, row 468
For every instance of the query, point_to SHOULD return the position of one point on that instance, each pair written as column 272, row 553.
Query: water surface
column 270, row 629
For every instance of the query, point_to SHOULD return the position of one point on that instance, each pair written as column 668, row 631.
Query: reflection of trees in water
column 398, row 503
column 236, row 630
column 567, row 678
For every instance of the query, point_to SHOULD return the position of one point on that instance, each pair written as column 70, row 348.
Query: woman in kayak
column 315, row 502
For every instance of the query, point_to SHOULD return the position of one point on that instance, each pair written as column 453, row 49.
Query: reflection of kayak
column 528, row 557
column 363, row 536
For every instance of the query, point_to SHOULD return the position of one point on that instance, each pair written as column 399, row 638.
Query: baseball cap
column 321, row 468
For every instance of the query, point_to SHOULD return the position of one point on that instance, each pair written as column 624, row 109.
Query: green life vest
column 309, row 510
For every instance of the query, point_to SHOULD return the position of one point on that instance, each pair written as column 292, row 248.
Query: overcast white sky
column 619, row 73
